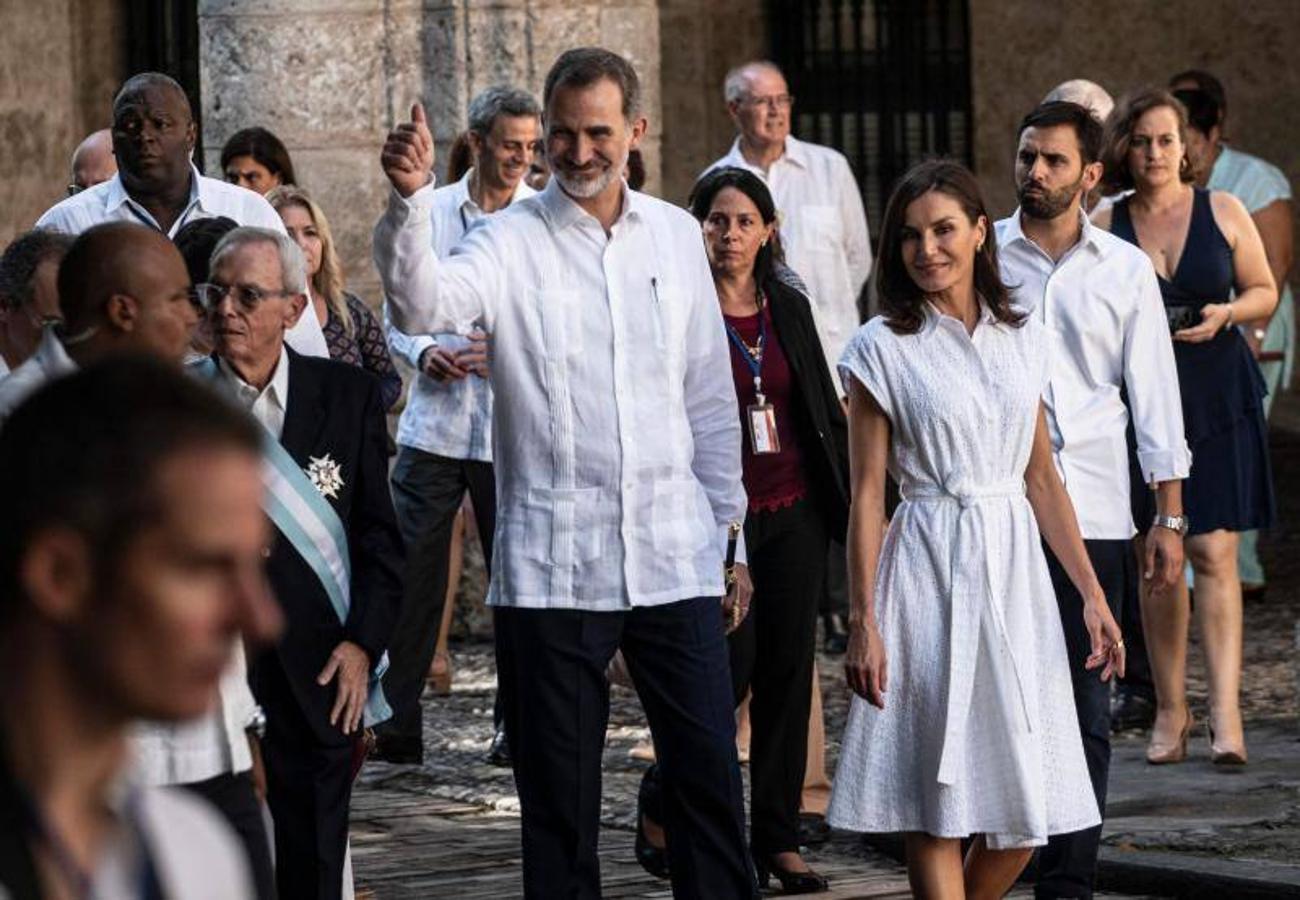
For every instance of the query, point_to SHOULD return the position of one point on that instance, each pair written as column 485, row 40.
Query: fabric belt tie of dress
column 977, row 585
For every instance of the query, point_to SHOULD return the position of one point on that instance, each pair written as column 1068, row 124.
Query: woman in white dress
column 964, row 722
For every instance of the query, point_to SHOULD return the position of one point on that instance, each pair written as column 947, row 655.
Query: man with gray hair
column 444, row 436
column 29, row 293
column 823, row 223
column 336, row 567
column 617, row 449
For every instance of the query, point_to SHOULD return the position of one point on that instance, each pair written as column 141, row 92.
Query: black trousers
column 308, row 787
column 427, row 492
column 1137, row 667
column 1068, row 864
column 234, row 797
column 551, row 667
column 772, row 655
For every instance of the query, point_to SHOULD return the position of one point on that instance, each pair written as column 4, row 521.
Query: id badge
column 762, row 429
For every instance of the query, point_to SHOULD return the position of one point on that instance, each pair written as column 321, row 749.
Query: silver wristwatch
column 1173, row 523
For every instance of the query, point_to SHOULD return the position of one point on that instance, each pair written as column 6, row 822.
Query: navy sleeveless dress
column 1231, row 482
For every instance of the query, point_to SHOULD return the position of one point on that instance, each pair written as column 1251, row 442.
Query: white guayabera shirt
column 447, row 418
column 616, row 437
column 1106, row 322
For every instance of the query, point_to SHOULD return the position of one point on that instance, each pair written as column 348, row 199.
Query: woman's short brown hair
column 1119, row 134
column 901, row 300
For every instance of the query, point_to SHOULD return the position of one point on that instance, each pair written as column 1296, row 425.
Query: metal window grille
column 885, row 82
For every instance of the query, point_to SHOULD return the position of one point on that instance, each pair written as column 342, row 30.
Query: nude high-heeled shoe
column 1163, row 754
column 1225, row 756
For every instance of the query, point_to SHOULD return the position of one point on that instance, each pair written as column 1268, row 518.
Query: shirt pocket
column 560, row 314
column 677, row 516
column 561, row 526
column 822, row 227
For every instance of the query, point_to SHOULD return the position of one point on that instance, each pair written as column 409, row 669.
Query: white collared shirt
column 616, row 436
column 1102, row 310
column 267, row 405
column 823, row 231
column 447, row 418
column 209, row 198
column 50, row 361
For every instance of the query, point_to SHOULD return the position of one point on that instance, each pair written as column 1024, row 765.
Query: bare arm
column 1252, row 280
column 864, row 663
column 1276, row 230
column 1060, row 528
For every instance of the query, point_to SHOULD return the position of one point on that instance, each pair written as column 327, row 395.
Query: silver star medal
column 325, row 475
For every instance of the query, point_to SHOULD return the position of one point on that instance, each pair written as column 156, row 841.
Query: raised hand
column 407, row 156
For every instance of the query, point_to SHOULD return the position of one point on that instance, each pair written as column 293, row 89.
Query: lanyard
column 753, row 356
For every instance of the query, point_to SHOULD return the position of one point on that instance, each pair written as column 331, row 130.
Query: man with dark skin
column 123, row 288
column 29, row 293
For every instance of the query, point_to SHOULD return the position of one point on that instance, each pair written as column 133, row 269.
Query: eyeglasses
column 776, row 101
column 208, row 296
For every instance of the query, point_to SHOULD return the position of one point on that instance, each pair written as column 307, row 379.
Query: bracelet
column 1230, row 316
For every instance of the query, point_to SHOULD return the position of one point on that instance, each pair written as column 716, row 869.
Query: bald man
column 93, row 161
column 157, row 184
column 123, row 288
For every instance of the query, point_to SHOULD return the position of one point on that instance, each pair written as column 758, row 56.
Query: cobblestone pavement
column 450, row 826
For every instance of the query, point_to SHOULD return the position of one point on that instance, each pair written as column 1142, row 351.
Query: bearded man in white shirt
column 617, row 460
column 1099, row 298
column 157, row 184
column 444, row 438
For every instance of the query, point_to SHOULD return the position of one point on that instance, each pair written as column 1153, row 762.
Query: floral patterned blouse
column 366, row 348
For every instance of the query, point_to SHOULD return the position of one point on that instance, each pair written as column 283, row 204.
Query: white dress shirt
column 4, row 368
column 447, row 418
column 616, row 436
column 209, row 198
column 50, row 361
column 823, row 232
column 268, row 404
column 1101, row 305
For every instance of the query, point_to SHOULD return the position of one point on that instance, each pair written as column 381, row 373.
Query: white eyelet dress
column 979, row 733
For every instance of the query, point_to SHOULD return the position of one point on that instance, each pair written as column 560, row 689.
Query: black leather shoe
column 837, row 636
column 813, row 829
column 651, row 858
column 398, row 749
column 499, row 752
column 808, row 882
column 1131, row 710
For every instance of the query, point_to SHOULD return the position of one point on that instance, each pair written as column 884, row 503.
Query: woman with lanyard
column 795, row 471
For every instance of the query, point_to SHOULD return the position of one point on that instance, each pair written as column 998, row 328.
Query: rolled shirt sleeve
column 1151, row 377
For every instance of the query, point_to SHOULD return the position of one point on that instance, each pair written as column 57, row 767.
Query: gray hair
column 22, row 258
column 500, row 101
column 1088, row 94
column 293, row 268
column 583, row 66
column 736, row 84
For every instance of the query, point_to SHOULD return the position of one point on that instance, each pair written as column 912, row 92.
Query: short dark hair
column 1203, row 111
column 901, row 300
column 144, row 81
column 712, row 183
column 22, row 258
column 197, row 239
column 1062, row 112
column 84, row 451
column 1207, row 82
column 1119, row 132
column 583, row 66
column 265, row 148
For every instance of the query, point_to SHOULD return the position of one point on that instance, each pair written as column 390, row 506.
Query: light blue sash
column 312, row 526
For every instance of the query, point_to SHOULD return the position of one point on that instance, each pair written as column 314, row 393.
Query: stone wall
column 702, row 41
column 60, row 62
column 1022, row 48
column 331, row 78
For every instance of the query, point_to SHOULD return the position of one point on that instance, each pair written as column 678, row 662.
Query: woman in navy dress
column 1214, row 276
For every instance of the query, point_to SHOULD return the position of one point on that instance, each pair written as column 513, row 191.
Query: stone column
column 330, row 77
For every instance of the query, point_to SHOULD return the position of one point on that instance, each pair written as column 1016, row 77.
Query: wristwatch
column 1173, row 523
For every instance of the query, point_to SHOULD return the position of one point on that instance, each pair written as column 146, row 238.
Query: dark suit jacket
column 333, row 409
column 822, row 428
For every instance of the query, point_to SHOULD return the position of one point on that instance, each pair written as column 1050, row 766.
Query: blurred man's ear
column 56, row 574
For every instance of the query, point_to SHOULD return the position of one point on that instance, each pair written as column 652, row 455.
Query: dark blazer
column 333, row 409
column 823, row 429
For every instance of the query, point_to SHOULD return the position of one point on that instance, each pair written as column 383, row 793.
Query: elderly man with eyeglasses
column 336, row 565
